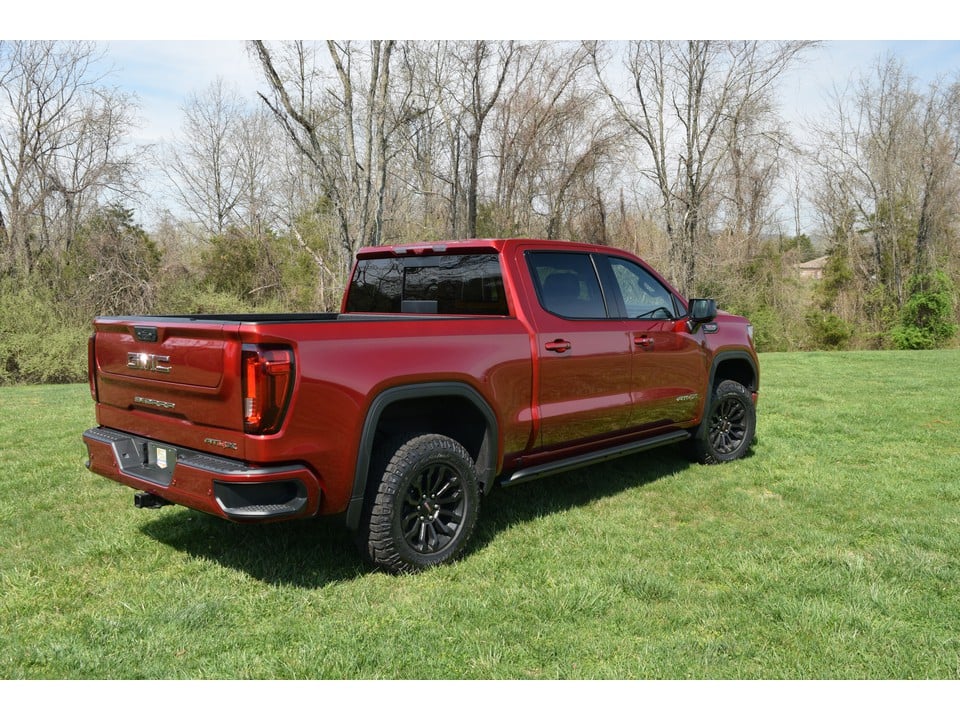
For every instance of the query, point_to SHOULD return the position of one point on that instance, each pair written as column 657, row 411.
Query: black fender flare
column 724, row 356
column 486, row 464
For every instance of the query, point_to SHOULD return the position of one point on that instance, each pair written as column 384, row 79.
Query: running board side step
column 579, row 461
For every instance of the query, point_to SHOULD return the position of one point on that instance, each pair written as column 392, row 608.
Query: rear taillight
column 267, row 384
column 92, row 366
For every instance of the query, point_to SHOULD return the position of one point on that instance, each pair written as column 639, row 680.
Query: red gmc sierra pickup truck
column 452, row 368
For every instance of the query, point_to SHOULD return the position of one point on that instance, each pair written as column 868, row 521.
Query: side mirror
column 702, row 310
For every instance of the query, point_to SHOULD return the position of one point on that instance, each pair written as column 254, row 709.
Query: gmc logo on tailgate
column 146, row 361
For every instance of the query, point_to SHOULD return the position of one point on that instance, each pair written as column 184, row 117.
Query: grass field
column 832, row 551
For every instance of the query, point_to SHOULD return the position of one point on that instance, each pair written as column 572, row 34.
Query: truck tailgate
column 168, row 376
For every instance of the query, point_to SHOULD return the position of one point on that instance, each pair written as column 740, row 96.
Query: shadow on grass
column 302, row 553
column 316, row 553
column 507, row 507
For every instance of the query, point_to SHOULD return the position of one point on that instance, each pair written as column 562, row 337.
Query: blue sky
column 165, row 51
column 805, row 90
column 163, row 73
column 179, row 47
column 530, row 19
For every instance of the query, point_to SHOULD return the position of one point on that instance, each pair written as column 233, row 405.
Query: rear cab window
column 452, row 284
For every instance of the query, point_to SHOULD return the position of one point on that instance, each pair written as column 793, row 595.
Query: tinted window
column 567, row 284
column 643, row 295
column 446, row 284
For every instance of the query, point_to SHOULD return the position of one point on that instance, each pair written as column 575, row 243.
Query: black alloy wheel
column 729, row 427
column 433, row 508
column 425, row 506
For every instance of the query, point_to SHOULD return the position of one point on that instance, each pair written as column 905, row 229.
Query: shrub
column 37, row 345
column 926, row 318
column 829, row 331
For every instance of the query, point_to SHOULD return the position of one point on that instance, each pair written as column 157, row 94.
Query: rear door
column 584, row 357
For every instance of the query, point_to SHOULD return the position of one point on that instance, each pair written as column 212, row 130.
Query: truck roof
column 457, row 246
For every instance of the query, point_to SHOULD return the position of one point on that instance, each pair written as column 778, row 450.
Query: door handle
column 644, row 342
column 558, row 346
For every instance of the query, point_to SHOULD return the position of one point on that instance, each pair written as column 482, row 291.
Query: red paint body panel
column 607, row 380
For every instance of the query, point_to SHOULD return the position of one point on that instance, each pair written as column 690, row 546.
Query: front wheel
column 729, row 426
column 425, row 507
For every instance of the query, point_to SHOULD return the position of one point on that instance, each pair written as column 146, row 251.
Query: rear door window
column 567, row 284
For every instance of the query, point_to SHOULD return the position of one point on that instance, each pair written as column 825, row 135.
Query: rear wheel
column 729, row 426
column 425, row 506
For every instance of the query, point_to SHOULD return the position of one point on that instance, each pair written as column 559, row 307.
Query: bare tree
column 433, row 141
column 548, row 141
column 507, row 126
column 261, row 192
column 61, row 150
column 887, row 134
column 225, row 166
column 887, row 158
column 939, row 173
column 682, row 97
column 341, row 119
column 480, row 73
column 205, row 164
column 888, row 187
column 756, row 149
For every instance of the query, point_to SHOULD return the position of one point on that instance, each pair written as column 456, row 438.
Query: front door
column 668, row 366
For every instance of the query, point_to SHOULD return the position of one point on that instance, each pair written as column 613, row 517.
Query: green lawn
column 832, row 551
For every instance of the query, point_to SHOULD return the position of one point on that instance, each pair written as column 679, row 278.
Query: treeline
column 674, row 150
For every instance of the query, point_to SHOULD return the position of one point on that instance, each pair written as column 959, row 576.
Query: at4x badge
column 225, row 444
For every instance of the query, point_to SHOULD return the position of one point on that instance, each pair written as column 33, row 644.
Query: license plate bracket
column 161, row 460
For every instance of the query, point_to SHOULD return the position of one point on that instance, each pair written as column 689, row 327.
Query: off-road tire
column 728, row 426
column 425, row 506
